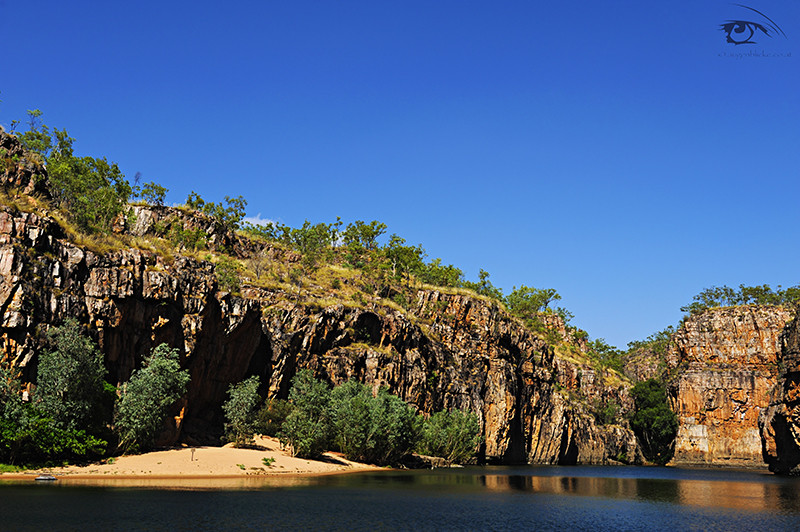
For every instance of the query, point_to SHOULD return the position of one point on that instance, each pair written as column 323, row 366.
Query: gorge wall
column 780, row 422
column 443, row 350
column 724, row 364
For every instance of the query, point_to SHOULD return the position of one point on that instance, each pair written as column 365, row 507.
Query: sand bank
column 203, row 466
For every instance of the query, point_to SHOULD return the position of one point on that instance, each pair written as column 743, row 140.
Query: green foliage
column 227, row 271
column 484, row 286
column 193, row 239
column 658, row 342
column 310, row 240
column 725, row 296
column 268, row 461
column 271, row 416
column 379, row 430
column 240, row 411
column 226, row 217
column 69, row 386
column 362, row 235
column 38, row 138
column 29, row 436
column 437, row 274
column 92, row 191
column 146, row 398
column 606, row 355
column 404, row 260
column 607, row 412
column 526, row 301
column 307, row 428
column 153, row 193
column 653, row 422
column 453, row 435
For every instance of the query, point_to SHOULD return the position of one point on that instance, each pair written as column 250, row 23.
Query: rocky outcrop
column 445, row 351
column 19, row 169
column 724, row 364
column 780, row 423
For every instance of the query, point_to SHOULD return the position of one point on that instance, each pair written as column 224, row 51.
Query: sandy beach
column 202, row 466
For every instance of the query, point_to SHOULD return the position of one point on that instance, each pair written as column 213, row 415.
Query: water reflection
column 755, row 496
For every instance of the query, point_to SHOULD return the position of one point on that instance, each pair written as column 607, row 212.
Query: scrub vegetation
column 374, row 428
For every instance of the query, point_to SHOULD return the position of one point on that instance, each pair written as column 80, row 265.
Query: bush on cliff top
column 725, row 296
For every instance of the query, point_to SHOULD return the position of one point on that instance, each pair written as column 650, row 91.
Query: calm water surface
column 488, row 498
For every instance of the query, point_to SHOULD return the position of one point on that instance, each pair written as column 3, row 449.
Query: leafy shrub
column 146, row 398
column 187, row 238
column 271, row 416
column 28, row 436
column 453, row 435
column 153, row 193
column 307, row 428
column 69, row 386
column 654, row 424
column 227, row 271
column 379, row 430
column 240, row 411
column 92, row 191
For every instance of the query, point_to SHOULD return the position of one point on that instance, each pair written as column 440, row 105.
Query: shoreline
column 184, row 465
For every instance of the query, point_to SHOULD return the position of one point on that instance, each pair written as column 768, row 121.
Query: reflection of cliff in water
column 740, row 495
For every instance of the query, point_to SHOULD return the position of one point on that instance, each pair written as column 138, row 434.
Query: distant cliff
column 442, row 349
column 724, row 364
column 780, row 423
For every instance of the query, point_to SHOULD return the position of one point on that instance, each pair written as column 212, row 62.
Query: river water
column 485, row 498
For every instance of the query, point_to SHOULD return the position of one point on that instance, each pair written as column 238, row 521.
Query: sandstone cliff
column 443, row 350
column 780, row 423
column 724, row 364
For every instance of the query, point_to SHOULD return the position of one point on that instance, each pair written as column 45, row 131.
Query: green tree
column 453, row 435
column 363, row 235
column 145, row 399
column 153, row 193
column 527, row 301
column 379, row 430
column 38, row 138
column 607, row 355
column 484, row 286
column 28, row 436
column 307, row 428
column 69, row 383
column 240, row 411
column 439, row 275
column 725, row 296
column 654, row 424
column 404, row 260
column 226, row 217
column 92, row 191
column 227, row 272
column 271, row 415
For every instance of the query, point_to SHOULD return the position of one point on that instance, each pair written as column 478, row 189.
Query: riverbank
column 201, row 464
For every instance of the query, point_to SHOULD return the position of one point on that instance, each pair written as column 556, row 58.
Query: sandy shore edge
column 183, row 464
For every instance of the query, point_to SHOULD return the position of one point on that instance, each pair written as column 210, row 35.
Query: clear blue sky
column 619, row 152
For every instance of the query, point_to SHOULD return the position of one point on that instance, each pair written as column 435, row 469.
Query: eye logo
column 743, row 31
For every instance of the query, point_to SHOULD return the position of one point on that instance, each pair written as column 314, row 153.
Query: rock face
column 780, row 423
column 443, row 351
column 724, row 364
column 18, row 168
column 446, row 351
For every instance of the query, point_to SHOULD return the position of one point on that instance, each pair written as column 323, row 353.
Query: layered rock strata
column 724, row 364
column 447, row 351
column 780, row 423
column 444, row 351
